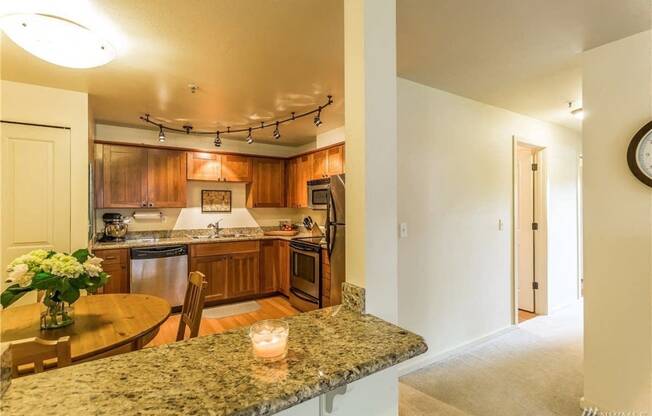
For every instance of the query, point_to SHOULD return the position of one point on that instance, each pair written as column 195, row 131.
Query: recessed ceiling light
column 57, row 40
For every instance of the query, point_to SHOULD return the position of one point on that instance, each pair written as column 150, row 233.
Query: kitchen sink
column 215, row 237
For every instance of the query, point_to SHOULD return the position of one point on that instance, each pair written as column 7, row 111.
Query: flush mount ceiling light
column 57, row 40
column 578, row 113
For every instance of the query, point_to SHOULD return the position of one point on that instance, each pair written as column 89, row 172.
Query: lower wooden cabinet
column 244, row 276
column 269, row 266
column 116, row 264
column 216, row 269
column 284, row 267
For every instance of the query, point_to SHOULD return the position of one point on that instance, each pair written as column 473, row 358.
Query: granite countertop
column 163, row 238
column 218, row 375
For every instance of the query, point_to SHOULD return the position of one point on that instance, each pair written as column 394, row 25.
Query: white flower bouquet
column 61, row 275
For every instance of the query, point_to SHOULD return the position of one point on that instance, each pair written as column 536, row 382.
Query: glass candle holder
column 269, row 339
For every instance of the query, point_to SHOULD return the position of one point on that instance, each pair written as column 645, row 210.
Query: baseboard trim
column 428, row 358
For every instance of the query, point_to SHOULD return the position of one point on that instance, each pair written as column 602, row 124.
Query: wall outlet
column 403, row 230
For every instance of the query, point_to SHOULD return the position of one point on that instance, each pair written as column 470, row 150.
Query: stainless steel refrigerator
column 336, row 233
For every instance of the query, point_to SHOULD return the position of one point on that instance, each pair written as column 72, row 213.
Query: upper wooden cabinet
column 166, row 180
column 267, row 188
column 303, row 174
column 206, row 166
column 335, row 163
column 320, row 164
column 138, row 177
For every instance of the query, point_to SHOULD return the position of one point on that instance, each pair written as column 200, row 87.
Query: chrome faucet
column 215, row 227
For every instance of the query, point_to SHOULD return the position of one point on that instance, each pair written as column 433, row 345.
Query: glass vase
column 57, row 314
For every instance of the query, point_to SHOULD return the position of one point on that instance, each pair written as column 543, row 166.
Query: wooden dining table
column 104, row 325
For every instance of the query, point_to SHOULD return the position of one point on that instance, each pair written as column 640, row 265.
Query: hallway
column 536, row 369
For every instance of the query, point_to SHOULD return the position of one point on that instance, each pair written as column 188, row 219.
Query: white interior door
column 35, row 189
column 524, row 232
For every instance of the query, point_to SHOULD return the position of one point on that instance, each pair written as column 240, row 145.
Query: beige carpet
column 534, row 370
column 230, row 310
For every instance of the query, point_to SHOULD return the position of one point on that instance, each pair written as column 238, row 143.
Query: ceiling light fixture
column 161, row 134
column 578, row 113
column 57, row 40
column 218, row 140
column 188, row 129
column 277, row 133
column 317, row 119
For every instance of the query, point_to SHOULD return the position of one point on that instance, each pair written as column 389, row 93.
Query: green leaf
column 71, row 295
column 81, row 255
column 50, row 254
column 44, row 281
column 12, row 294
column 77, row 283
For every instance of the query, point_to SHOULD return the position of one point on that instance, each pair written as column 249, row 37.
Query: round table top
column 102, row 322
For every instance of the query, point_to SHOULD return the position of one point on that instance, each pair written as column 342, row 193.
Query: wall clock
column 639, row 154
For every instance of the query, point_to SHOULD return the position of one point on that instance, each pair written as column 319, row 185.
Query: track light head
column 161, row 134
column 218, row 140
column 250, row 139
column 317, row 119
column 277, row 133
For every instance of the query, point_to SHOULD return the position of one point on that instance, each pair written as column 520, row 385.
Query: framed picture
column 215, row 201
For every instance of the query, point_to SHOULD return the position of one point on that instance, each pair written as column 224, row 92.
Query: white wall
column 617, row 229
column 455, row 184
column 42, row 105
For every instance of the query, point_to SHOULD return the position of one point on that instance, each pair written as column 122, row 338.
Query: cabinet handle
column 144, row 204
column 150, row 204
column 110, row 258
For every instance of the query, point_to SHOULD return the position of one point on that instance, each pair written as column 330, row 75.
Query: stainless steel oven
column 319, row 193
column 305, row 274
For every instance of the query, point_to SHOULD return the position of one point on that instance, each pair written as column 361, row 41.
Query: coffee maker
column 115, row 227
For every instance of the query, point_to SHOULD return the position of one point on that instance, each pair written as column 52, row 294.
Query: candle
column 269, row 339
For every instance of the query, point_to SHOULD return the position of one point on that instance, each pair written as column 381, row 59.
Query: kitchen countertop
column 218, row 375
column 179, row 238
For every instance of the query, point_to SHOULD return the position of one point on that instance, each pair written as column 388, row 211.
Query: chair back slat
column 193, row 305
column 37, row 351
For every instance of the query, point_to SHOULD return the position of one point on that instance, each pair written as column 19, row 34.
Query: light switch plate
column 403, row 230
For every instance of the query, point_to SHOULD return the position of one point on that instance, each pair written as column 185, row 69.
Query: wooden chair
column 193, row 305
column 36, row 351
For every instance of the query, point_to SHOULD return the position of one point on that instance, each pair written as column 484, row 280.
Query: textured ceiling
column 252, row 60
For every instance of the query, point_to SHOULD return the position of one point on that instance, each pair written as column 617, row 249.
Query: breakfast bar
column 218, row 375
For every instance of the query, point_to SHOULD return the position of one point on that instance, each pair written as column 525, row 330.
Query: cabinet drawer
column 113, row 256
column 216, row 249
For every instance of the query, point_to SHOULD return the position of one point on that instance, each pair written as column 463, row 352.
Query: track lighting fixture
column 161, row 134
column 218, row 140
column 188, row 129
column 277, row 133
column 317, row 119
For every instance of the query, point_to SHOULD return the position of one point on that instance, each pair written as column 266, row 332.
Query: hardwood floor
column 525, row 315
column 270, row 308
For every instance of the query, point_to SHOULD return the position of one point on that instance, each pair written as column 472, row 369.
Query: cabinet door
column 236, row 168
column 291, row 183
column 320, row 164
column 283, row 266
column 267, row 188
column 116, row 264
column 203, row 166
column 166, row 178
column 243, row 277
column 269, row 266
column 216, row 270
column 124, row 176
column 304, row 174
column 335, row 160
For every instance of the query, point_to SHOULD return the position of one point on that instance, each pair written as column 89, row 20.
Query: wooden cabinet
column 244, row 276
column 124, row 176
column 284, row 267
column 216, row 269
column 138, row 177
column 291, row 183
column 269, row 266
column 326, row 289
column 301, row 171
column 267, row 188
column 116, row 264
column 204, row 166
column 320, row 164
column 166, row 178
column 335, row 165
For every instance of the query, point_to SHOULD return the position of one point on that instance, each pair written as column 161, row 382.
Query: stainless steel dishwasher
column 160, row 271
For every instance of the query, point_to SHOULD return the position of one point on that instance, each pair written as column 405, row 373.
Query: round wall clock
column 639, row 154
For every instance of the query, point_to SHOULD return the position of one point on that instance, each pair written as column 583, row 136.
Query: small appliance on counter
column 115, row 227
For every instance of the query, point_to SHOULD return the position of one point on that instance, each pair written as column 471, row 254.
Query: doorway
column 529, row 232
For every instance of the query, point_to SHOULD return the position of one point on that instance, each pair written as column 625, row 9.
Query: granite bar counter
column 218, row 375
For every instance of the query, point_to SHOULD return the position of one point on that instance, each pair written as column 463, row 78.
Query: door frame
column 541, row 235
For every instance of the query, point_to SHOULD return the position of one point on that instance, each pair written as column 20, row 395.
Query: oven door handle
column 303, row 296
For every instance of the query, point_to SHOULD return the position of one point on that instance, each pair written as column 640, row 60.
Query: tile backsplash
column 191, row 217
